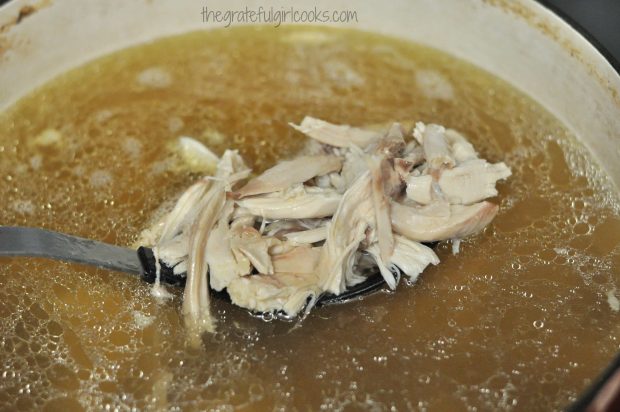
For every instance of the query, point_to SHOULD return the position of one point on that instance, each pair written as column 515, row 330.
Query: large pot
column 520, row 41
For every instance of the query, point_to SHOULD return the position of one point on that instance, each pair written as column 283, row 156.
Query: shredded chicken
column 223, row 265
column 419, row 224
column 291, row 172
column 381, row 205
column 345, row 234
column 298, row 202
column 336, row 135
column 300, row 259
column 437, row 151
column 409, row 257
column 472, row 181
column 306, row 226
column 308, row 236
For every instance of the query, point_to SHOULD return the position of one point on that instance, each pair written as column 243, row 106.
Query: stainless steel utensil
column 36, row 242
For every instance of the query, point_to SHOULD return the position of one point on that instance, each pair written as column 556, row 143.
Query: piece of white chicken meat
column 230, row 170
column 291, row 172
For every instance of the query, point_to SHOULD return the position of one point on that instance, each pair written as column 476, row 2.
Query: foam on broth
column 520, row 319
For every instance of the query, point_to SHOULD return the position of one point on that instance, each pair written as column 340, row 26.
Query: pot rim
column 613, row 60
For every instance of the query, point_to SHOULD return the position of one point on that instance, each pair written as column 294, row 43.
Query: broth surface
column 522, row 319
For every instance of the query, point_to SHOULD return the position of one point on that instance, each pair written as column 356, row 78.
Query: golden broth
column 520, row 319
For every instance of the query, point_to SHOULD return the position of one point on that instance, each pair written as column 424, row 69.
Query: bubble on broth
column 142, row 320
column 155, row 77
column 341, row 74
column 23, row 207
column 133, row 147
column 99, row 178
column 48, row 137
column 214, row 137
column 434, row 85
column 479, row 331
column 175, row 124
column 309, row 37
column 36, row 161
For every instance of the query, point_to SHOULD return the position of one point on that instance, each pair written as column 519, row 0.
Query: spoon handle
column 35, row 242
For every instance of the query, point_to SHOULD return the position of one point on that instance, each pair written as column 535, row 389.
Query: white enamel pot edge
column 519, row 41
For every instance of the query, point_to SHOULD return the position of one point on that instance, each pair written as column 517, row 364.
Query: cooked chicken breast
column 291, row 172
column 409, row 257
column 282, row 292
column 297, row 203
column 460, row 222
column 336, row 135
column 472, row 181
column 354, row 215
column 308, row 225
column 437, row 151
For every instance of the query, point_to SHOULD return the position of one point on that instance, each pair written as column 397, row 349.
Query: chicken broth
column 523, row 318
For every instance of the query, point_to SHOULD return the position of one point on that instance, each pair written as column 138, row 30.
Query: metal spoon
column 35, row 242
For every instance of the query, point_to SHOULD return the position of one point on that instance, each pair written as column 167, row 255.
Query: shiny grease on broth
column 522, row 318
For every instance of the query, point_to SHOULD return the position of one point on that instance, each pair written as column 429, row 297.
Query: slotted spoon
column 36, row 242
